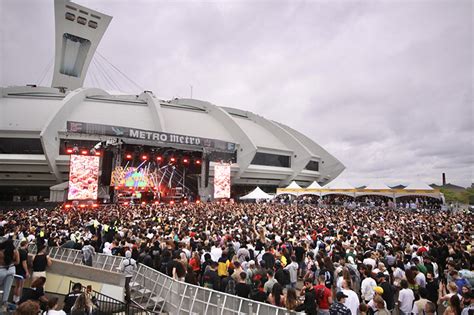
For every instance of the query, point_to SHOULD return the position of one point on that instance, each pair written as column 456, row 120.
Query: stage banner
column 83, row 177
column 222, row 181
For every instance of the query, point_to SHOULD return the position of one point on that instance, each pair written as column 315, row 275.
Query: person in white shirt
column 420, row 278
column 293, row 269
column 216, row 253
column 367, row 287
column 352, row 300
column 405, row 298
column 370, row 261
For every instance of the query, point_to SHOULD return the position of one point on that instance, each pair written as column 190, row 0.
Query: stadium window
column 20, row 146
column 74, row 54
column 312, row 166
column 70, row 16
column 81, row 20
column 267, row 159
column 92, row 24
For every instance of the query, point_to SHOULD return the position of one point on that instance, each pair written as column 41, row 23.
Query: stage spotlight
column 67, row 206
column 126, row 203
column 82, row 206
column 95, row 205
column 69, row 151
column 198, row 201
column 84, row 152
column 185, row 202
column 185, row 161
column 97, row 153
column 128, row 156
column 144, row 157
column 173, row 159
column 172, row 202
column 159, row 158
column 143, row 203
column 157, row 202
column 198, row 162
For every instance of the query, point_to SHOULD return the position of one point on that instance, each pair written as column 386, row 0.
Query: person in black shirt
column 210, row 279
column 432, row 288
column 388, row 290
column 309, row 306
column 338, row 308
column 36, row 293
column 300, row 254
column 71, row 297
column 269, row 258
column 22, row 272
column 242, row 289
column 258, row 293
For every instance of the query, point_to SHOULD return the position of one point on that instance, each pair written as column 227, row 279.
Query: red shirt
column 323, row 302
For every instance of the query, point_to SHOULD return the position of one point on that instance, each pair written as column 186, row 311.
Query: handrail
column 160, row 292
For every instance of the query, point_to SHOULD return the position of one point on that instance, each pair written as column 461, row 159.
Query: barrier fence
column 158, row 292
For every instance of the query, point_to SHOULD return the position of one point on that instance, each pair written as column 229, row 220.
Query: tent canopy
column 314, row 185
column 293, row 185
column 377, row 186
column 257, row 193
column 339, row 185
column 418, row 186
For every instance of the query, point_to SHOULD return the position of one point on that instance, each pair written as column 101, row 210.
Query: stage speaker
column 206, row 178
column 107, row 161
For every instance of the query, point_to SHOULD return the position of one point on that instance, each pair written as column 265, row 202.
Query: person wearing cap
column 128, row 266
column 378, row 292
column 338, row 307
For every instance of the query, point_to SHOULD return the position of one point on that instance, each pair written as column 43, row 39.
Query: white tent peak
column 377, row 186
column 257, row 193
column 418, row 186
column 314, row 185
column 339, row 184
column 293, row 185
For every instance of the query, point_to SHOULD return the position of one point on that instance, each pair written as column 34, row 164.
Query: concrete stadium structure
column 34, row 121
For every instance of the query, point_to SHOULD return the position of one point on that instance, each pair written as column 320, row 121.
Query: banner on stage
column 222, row 181
column 83, row 177
column 148, row 135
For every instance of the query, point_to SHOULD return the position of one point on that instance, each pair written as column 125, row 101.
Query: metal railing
column 158, row 292
column 108, row 305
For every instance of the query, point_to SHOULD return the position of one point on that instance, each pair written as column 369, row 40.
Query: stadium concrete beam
column 246, row 149
column 301, row 154
column 155, row 109
column 49, row 134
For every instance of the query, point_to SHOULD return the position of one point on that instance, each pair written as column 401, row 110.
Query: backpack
column 230, row 288
column 286, row 277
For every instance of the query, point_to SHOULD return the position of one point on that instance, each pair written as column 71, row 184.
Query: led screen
column 222, row 181
column 132, row 177
column 83, row 177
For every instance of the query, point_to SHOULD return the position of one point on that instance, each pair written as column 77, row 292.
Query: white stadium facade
column 37, row 124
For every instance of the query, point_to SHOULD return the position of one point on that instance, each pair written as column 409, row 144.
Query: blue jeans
column 6, row 281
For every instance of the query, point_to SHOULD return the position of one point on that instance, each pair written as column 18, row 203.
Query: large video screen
column 133, row 177
column 222, row 181
column 83, row 177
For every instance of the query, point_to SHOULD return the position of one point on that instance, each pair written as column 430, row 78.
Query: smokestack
column 444, row 179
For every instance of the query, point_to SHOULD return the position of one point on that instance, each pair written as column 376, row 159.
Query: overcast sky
column 385, row 86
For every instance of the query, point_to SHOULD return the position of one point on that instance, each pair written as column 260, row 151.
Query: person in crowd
column 388, row 291
column 41, row 261
column 309, row 305
column 406, row 297
column 380, row 306
column 352, row 300
column 468, row 303
column 420, row 304
column 258, row 292
column 276, row 297
column 323, row 296
column 53, row 307
column 28, row 308
column 293, row 270
column 210, row 278
column 454, row 307
column 430, row 308
column 243, row 289
column 36, row 293
column 88, row 253
column 9, row 257
column 291, row 300
column 128, row 266
column 71, row 297
column 338, row 307
column 21, row 270
column 83, row 305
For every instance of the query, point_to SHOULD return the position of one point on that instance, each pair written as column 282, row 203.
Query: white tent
column 314, row 185
column 257, row 193
column 377, row 189
column 293, row 185
column 338, row 187
column 58, row 193
column 418, row 186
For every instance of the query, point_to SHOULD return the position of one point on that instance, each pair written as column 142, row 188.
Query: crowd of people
column 306, row 257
